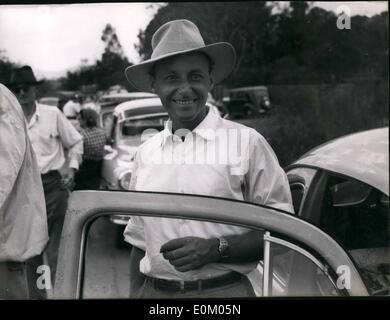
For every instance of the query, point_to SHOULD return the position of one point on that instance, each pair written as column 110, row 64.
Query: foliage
column 304, row 116
column 6, row 67
column 301, row 44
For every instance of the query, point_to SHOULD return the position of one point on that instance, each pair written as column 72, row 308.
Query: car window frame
column 306, row 182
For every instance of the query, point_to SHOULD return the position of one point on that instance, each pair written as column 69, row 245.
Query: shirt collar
column 35, row 116
column 205, row 129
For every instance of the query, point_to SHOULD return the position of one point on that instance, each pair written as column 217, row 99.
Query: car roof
column 129, row 95
column 262, row 88
column 138, row 107
column 363, row 156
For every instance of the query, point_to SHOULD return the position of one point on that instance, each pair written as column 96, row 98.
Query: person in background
column 58, row 148
column 72, row 108
column 90, row 103
column 94, row 137
column 23, row 227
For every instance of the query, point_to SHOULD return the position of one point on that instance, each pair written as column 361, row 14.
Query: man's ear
column 151, row 83
column 211, row 86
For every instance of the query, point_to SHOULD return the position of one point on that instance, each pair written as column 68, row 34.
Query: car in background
column 50, row 101
column 342, row 187
column 108, row 102
column 248, row 102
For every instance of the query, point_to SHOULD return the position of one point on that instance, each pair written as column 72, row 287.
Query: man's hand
column 190, row 253
column 68, row 177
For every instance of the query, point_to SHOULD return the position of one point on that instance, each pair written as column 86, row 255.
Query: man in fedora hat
column 58, row 147
column 178, row 258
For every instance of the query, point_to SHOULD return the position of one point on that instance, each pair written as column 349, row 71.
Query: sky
column 56, row 38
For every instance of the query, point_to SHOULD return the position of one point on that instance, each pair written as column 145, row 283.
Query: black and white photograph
column 194, row 150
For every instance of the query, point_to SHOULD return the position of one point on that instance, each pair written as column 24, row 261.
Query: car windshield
column 136, row 127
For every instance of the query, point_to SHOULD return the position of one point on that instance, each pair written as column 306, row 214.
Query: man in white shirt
column 23, row 226
column 72, row 108
column 58, row 148
column 89, row 103
column 198, row 152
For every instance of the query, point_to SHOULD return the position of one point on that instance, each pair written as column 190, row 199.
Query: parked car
column 50, row 101
column 248, row 101
column 108, row 103
column 336, row 244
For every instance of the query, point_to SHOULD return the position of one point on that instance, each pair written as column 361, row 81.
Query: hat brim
column 222, row 54
column 14, row 84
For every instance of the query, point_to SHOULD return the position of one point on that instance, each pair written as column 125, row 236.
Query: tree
column 107, row 71
column 6, row 67
column 295, row 44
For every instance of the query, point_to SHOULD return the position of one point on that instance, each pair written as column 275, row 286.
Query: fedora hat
column 23, row 76
column 180, row 37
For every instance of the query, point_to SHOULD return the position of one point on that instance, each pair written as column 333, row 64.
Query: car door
column 354, row 213
column 292, row 249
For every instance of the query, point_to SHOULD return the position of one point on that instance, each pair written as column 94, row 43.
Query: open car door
column 298, row 258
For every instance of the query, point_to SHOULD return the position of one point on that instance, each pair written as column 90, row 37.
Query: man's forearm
column 75, row 155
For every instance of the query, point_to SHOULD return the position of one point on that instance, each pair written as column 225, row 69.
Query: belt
column 182, row 286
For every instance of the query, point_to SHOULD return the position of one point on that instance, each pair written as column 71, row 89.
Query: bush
column 304, row 116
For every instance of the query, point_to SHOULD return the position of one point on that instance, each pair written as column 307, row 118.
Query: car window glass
column 357, row 216
column 106, row 261
column 107, row 265
column 132, row 127
column 296, row 275
column 299, row 180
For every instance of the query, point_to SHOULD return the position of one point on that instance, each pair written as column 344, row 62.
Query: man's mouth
column 184, row 101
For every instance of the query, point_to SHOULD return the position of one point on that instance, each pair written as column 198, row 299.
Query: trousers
column 56, row 198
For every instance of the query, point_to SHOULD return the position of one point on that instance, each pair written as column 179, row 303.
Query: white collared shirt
column 218, row 158
column 71, row 108
column 50, row 133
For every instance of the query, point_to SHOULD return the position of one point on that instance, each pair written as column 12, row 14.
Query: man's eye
column 170, row 77
column 196, row 77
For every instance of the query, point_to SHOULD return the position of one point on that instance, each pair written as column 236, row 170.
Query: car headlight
column 124, row 179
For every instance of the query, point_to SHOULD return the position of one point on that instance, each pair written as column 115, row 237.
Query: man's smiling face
column 183, row 83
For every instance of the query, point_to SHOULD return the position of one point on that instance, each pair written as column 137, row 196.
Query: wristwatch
column 223, row 248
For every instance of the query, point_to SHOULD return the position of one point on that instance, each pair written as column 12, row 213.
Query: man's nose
column 184, row 87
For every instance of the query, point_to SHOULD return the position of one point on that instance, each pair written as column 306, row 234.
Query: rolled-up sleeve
column 71, row 140
column 266, row 181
